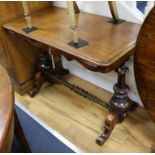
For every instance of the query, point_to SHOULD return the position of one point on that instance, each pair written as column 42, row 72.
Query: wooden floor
column 81, row 121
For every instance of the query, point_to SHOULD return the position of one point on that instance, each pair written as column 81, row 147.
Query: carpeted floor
column 141, row 5
column 39, row 139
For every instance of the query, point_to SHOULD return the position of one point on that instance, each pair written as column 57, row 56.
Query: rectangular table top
column 108, row 43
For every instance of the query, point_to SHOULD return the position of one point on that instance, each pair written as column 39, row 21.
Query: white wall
column 107, row 80
column 126, row 9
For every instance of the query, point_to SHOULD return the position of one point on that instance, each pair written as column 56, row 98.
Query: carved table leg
column 46, row 67
column 38, row 81
column 39, row 76
column 120, row 103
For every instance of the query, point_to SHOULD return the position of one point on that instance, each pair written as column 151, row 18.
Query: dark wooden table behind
column 144, row 63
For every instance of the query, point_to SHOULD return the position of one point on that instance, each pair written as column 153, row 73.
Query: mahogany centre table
column 109, row 47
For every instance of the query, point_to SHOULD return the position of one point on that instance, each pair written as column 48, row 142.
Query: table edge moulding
column 101, row 49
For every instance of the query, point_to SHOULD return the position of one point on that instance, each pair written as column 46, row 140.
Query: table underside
column 109, row 47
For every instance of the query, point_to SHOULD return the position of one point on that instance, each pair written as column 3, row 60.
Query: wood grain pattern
column 144, row 63
column 7, row 118
column 19, row 134
column 81, row 121
column 6, row 111
column 17, row 56
column 108, row 46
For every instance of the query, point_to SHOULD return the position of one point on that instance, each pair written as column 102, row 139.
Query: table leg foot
column 108, row 127
column 120, row 104
column 45, row 70
column 38, row 81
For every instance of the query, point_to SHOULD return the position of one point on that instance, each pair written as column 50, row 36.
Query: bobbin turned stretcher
column 86, row 45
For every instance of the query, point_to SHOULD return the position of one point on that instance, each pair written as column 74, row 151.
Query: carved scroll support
column 46, row 66
column 120, row 103
column 109, row 124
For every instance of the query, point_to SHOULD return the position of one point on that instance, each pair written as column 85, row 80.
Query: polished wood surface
column 109, row 44
column 19, row 133
column 81, row 121
column 7, row 120
column 17, row 56
column 144, row 63
column 6, row 111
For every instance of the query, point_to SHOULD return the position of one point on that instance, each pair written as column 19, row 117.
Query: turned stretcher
column 101, row 49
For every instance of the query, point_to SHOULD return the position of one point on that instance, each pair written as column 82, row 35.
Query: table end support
column 120, row 103
column 108, row 127
column 45, row 67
